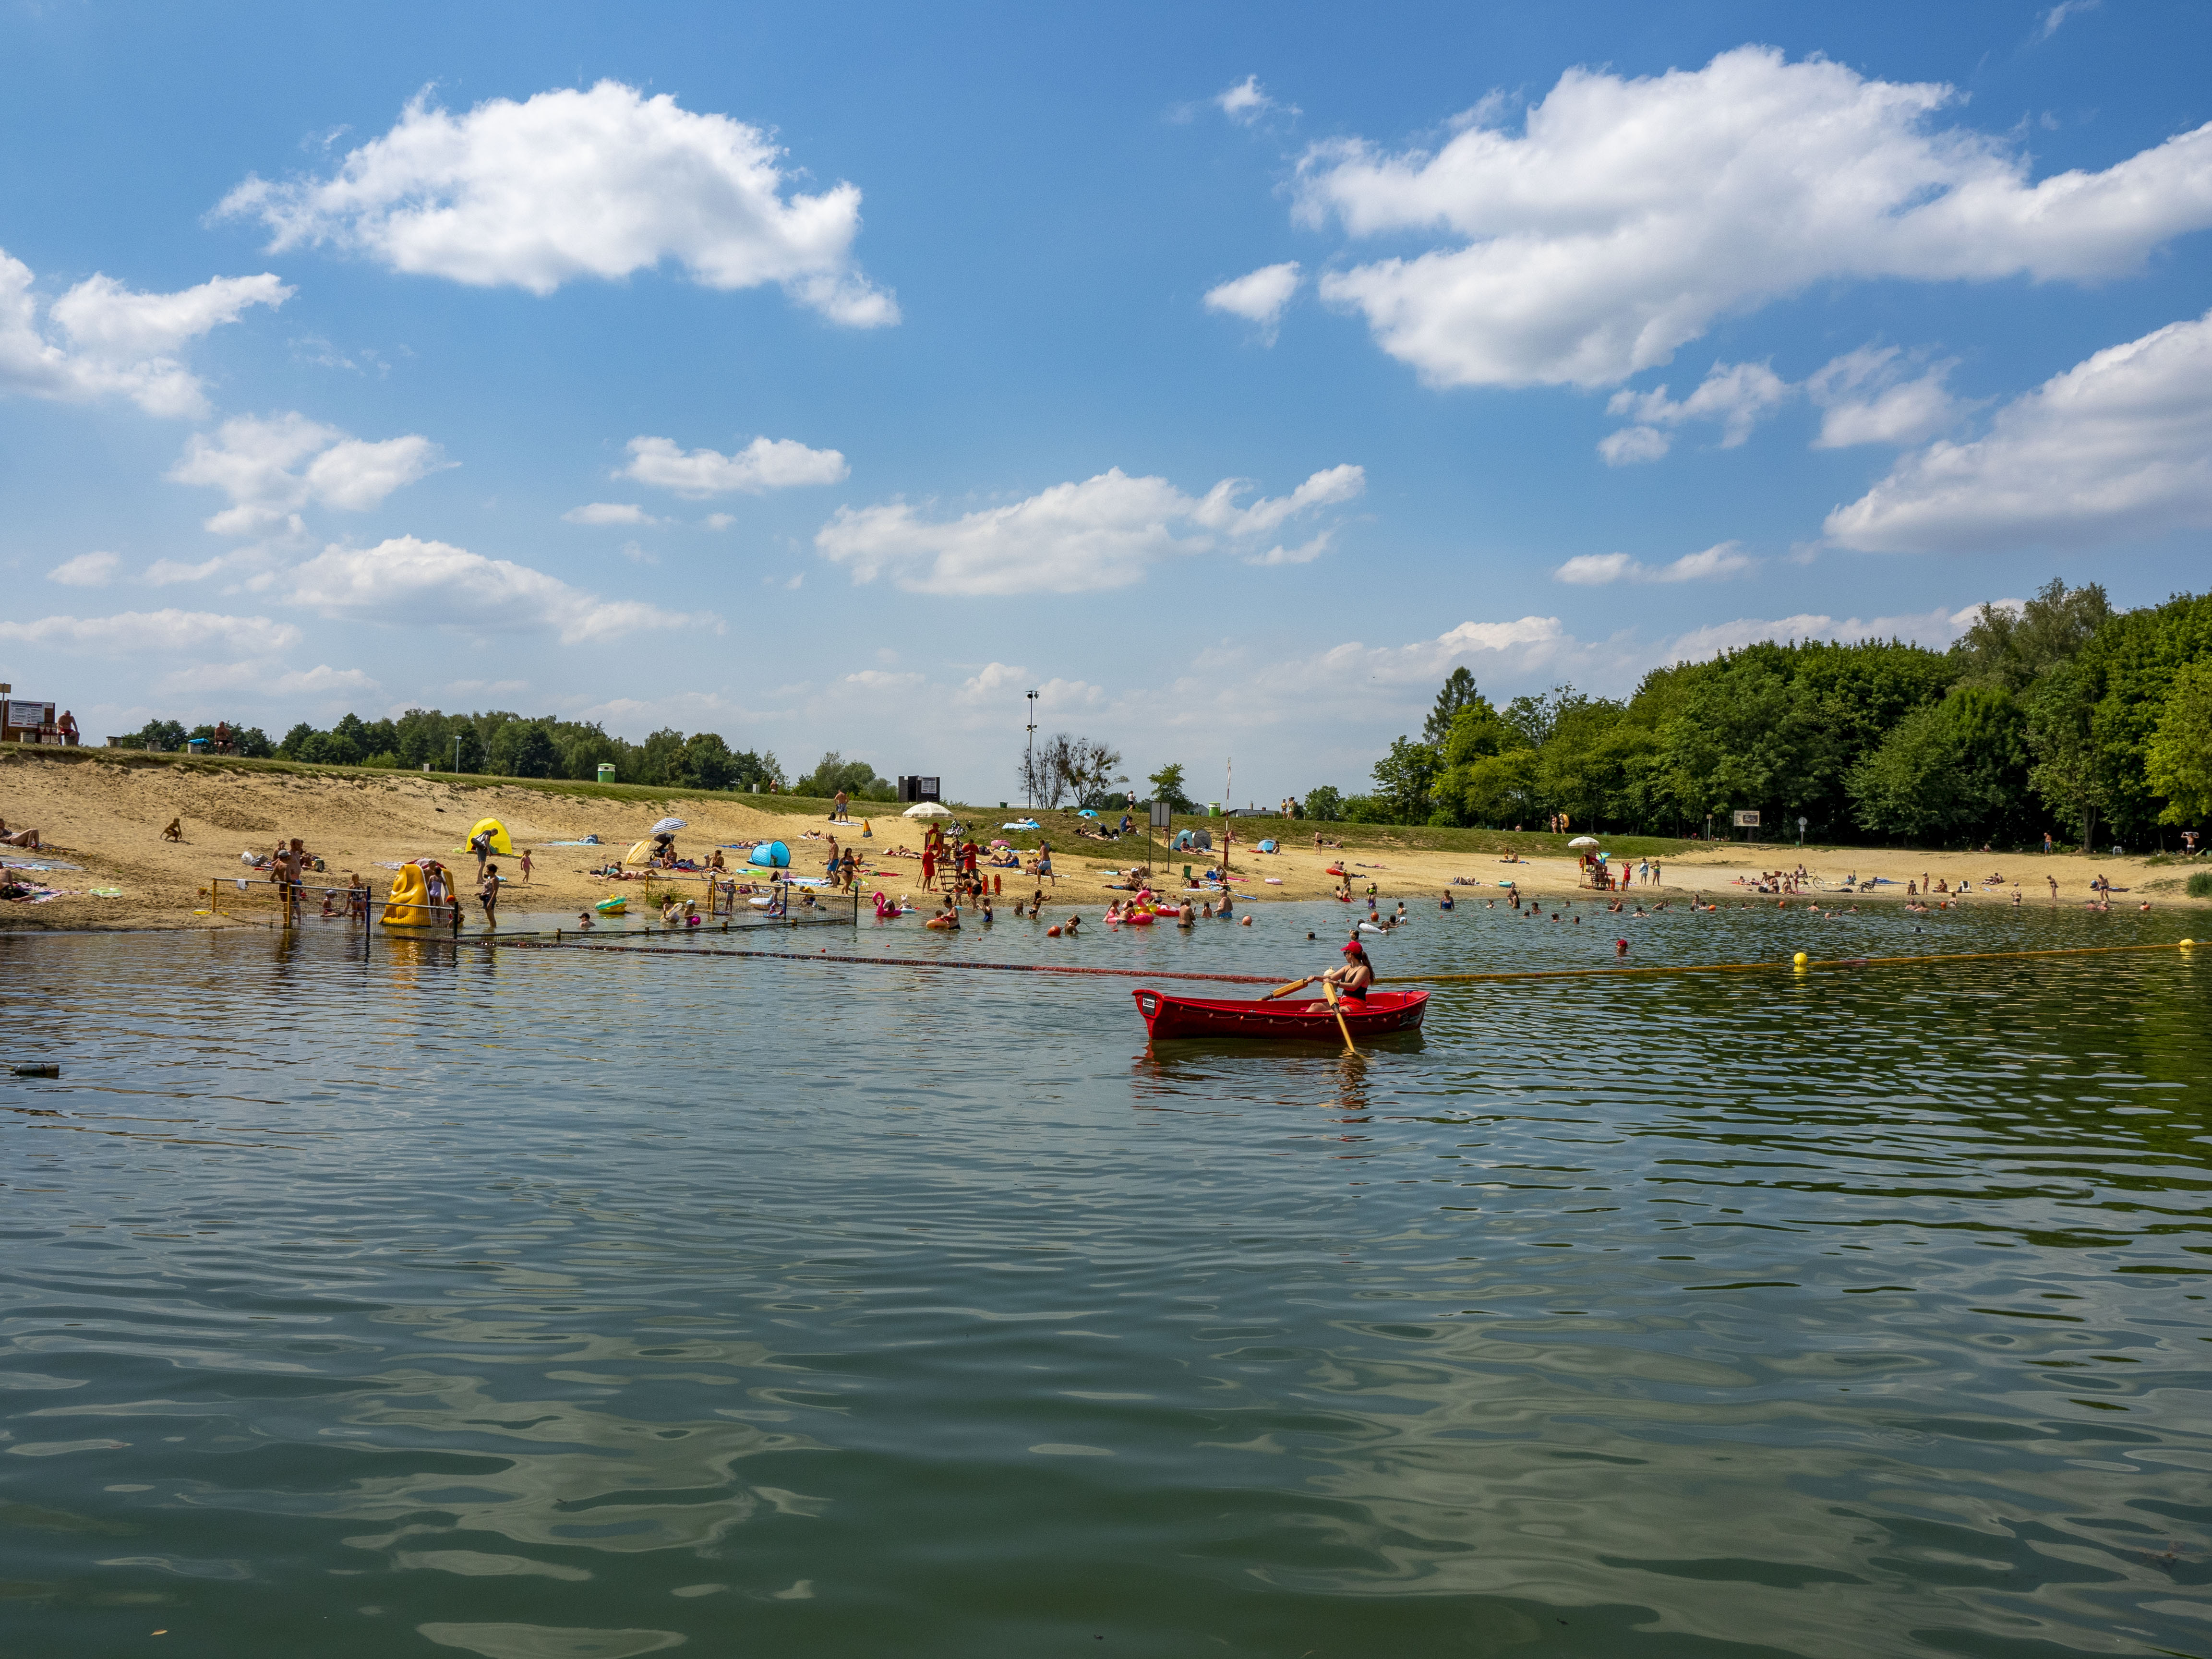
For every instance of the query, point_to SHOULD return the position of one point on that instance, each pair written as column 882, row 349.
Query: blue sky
column 1230, row 377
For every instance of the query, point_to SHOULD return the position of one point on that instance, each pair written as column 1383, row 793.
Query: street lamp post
column 1028, row 770
column 457, row 757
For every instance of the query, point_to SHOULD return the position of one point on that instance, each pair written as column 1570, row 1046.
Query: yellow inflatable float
column 500, row 843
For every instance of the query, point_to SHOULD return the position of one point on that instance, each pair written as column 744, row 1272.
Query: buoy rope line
column 1776, row 967
column 1401, row 979
column 889, row 962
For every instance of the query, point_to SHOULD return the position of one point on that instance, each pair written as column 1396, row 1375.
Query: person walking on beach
column 480, row 844
column 838, row 808
column 526, row 865
column 488, row 896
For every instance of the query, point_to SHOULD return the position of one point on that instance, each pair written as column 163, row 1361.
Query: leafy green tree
column 1499, row 789
column 660, row 757
column 1368, row 809
column 1957, row 768
column 1532, row 718
column 163, row 736
column 295, row 740
column 2069, row 764
column 2129, row 667
column 856, row 778
column 2180, row 751
column 583, row 748
column 2011, row 648
column 1403, row 778
column 523, row 748
column 1324, row 804
column 1907, row 786
column 1581, row 771
column 1459, row 692
column 1167, row 786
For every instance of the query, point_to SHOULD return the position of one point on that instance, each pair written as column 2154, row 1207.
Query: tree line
column 2061, row 714
column 501, row 743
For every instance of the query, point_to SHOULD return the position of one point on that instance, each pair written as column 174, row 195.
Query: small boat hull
column 1167, row 1015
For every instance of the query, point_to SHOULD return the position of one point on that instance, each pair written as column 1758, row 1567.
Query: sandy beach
column 104, row 814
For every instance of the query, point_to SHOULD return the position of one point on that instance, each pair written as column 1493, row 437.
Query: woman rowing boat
column 1351, row 980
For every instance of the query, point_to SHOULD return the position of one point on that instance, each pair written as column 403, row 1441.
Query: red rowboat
column 1382, row 1013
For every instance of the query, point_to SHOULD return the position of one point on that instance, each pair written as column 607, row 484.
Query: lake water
column 429, row 1299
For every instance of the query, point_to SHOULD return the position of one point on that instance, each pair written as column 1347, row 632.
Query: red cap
column 1354, row 949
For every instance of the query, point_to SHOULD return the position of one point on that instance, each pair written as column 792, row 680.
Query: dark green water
column 526, row 1305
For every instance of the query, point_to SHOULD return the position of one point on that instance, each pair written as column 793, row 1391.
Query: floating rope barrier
column 888, row 962
column 1396, row 979
column 1790, row 964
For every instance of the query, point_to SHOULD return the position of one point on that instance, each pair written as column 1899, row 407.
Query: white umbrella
column 928, row 808
column 669, row 826
column 1583, row 841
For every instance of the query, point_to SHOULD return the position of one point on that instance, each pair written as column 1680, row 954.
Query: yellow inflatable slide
column 408, row 903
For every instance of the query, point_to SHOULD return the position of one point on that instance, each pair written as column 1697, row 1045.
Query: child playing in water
column 584, row 920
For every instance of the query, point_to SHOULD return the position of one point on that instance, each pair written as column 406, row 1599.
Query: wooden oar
column 1285, row 990
column 1337, row 1007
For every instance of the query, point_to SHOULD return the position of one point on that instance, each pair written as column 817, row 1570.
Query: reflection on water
column 410, row 1297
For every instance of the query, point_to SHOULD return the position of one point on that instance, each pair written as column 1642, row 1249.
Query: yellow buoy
column 1800, row 958
column 2186, row 943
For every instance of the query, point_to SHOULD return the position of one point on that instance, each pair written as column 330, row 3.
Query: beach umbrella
column 928, row 808
column 669, row 826
column 1583, row 841
column 1086, row 813
column 1002, row 841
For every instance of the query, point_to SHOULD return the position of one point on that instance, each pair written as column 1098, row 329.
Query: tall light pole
column 457, row 756
column 1029, row 768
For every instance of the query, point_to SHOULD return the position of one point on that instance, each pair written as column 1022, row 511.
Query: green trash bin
column 606, row 772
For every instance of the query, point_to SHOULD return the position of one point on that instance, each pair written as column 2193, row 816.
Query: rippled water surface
column 426, row 1298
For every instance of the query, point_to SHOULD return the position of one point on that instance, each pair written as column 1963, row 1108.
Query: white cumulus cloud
column 145, row 632
column 764, row 464
column 1737, row 395
column 1868, row 397
column 407, row 580
column 1600, row 569
column 1248, row 100
column 1259, row 296
column 271, row 468
column 1627, row 214
column 2118, row 446
column 270, row 679
column 1102, row 533
column 607, row 512
column 86, row 570
column 574, row 184
column 118, row 342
